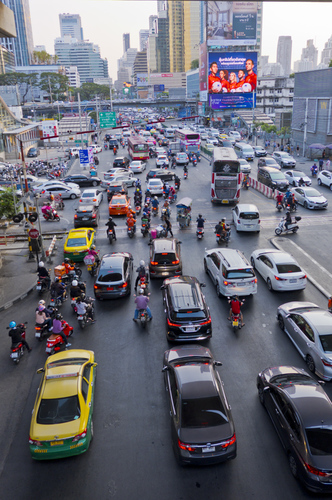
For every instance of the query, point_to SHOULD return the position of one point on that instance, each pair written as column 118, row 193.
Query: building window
column 279, row 91
column 271, row 91
column 290, row 99
column 259, row 91
column 276, row 99
column 271, row 99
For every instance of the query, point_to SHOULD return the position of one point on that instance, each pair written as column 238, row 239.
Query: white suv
column 236, row 135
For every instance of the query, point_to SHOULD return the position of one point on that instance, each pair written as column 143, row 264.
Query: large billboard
column 232, row 79
column 142, row 79
column 231, row 23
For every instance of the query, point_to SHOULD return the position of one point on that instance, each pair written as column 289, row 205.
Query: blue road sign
column 84, row 156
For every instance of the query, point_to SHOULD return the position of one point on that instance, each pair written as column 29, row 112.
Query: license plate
column 209, row 450
column 38, row 287
column 56, row 443
column 235, row 323
column 109, row 288
column 293, row 281
column 79, row 317
column 37, row 335
column 48, row 349
column 85, row 218
column 76, row 253
column 224, row 201
column 14, row 355
column 190, row 329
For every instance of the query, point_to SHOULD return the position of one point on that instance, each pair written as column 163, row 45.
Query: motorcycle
column 145, row 229
column 91, row 264
column 138, row 209
column 154, row 211
column 292, row 207
column 292, row 228
column 161, row 231
column 143, row 284
column 222, row 237
column 200, row 233
column 51, row 217
column 56, row 302
column 185, row 175
column 177, row 184
column 55, row 342
column 83, row 319
column 280, row 206
column 17, row 350
column 96, row 160
column 41, row 331
column 314, row 171
column 110, row 236
column 42, row 285
column 235, row 319
column 194, row 161
column 165, row 213
column 246, row 184
column 143, row 317
column 131, row 231
column 172, row 198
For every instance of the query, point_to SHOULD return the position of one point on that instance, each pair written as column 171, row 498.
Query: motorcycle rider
column 172, row 193
column 236, row 309
column 47, row 210
column 111, row 226
column 288, row 219
column 288, row 195
column 138, row 197
column 84, row 307
column 168, row 226
column 15, row 333
column 222, row 228
column 147, row 195
column 314, row 169
column 77, row 289
column 279, row 199
column 245, row 180
column 200, row 222
column 155, row 203
column 69, row 268
column 115, row 149
column 42, row 319
column 131, row 222
column 141, row 272
column 94, row 252
column 185, row 170
column 58, row 289
column 141, row 302
column 166, row 189
column 58, row 329
column 177, row 181
column 301, row 182
column 43, row 274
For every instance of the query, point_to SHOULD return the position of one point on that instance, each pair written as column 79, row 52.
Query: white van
column 244, row 150
column 246, row 217
column 235, row 134
column 169, row 133
column 126, row 133
column 230, row 271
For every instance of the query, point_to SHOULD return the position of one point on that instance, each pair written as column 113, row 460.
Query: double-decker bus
column 189, row 140
column 138, row 148
column 226, row 176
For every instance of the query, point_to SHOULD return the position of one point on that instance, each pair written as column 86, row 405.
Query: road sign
column 107, row 119
column 84, row 157
column 33, row 233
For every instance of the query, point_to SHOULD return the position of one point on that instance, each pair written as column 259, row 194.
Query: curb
column 17, row 299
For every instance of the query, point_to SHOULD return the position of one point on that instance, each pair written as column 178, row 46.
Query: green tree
column 89, row 91
column 292, row 75
column 23, row 80
column 7, row 207
column 58, row 83
column 330, row 64
column 194, row 64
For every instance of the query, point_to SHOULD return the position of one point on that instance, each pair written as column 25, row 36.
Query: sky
column 105, row 21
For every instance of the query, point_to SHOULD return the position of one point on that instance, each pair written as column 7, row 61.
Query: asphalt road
column 131, row 456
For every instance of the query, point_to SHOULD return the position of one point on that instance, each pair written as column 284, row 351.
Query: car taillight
column 172, row 324
column 206, row 322
column 175, row 261
column 94, row 199
column 326, row 363
column 79, row 436
column 315, row 471
column 229, row 442
column 226, row 283
column 280, row 279
column 303, row 277
column 153, row 263
column 185, row 446
column 123, row 285
column 212, row 192
column 34, row 442
column 80, row 201
column 75, row 216
column 94, row 216
column 96, row 287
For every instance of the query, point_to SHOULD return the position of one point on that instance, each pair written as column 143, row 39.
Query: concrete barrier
column 50, row 250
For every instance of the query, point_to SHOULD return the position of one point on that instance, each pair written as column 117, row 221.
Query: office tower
column 143, row 39
column 327, row 52
column 191, row 32
column 162, row 42
column 176, row 41
column 153, row 24
column 126, row 42
column 22, row 45
column 284, row 53
column 70, row 24
column 140, row 64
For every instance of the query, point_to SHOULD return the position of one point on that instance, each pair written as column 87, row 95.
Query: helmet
column 141, row 291
column 129, row 207
column 12, row 324
column 93, row 247
column 57, row 280
column 156, row 198
column 110, row 218
column 74, row 283
column 41, row 308
column 58, row 316
column 41, row 264
column 141, row 263
column 223, row 219
column 66, row 260
column 41, row 303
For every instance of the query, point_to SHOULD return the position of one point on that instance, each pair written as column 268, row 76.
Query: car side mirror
column 162, row 287
column 40, row 370
column 164, row 369
column 218, row 363
column 180, row 242
column 203, row 284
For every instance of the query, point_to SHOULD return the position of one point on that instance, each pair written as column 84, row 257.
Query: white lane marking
column 322, row 268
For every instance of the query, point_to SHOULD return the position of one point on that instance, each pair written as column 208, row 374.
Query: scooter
column 185, row 175
column 41, row 331
column 177, row 185
column 246, row 184
column 55, row 342
column 280, row 206
column 131, row 231
column 292, row 228
column 96, row 160
column 54, row 217
column 83, row 319
column 235, row 319
column 172, row 198
column 17, row 350
column 145, row 229
column 91, row 264
column 143, row 317
column 42, row 285
column 143, row 284
column 220, row 238
column 200, row 233
column 138, row 209
column 154, row 211
column 110, row 236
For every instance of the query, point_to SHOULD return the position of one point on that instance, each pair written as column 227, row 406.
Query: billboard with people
column 232, row 79
column 231, row 23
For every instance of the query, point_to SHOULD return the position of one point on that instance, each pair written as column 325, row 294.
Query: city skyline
column 131, row 17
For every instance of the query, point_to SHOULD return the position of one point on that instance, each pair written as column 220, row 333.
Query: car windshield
column 240, row 273
column 320, row 440
column 284, row 155
column 108, row 276
column 76, row 242
column 58, row 411
column 298, row 174
column 276, row 176
column 203, row 412
column 326, row 341
column 165, row 258
column 288, row 268
column 312, row 193
column 155, row 183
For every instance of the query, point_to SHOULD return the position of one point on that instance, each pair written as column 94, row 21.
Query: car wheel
column 252, row 260
column 94, row 183
column 269, row 284
column 320, row 183
column 261, row 395
column 293, row 465
column 281, row 322
column 206, row 267
column 218, row 290
column 73, row 196
column 310, row 363
column 305, row 204
column 331, row 187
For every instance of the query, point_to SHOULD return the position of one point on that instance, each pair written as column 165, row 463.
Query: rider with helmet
column 58, row 289
column 155, row 203
column 43, row 274
column 141, row 272
column 83, row 307
column 94, row 253
column 222, row 228
column 141, row 302
column 77, row 289
column 15, row 333
column 288, row 219
column 68, row 266
column 42, row 319
column 58, row 329
column 111, row 226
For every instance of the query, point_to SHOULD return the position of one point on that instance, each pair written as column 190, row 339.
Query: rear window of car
column 188, row 315
column 320, row 441
column 203, row 412
column 58, row 411
column 240, row 273
column 288, row 268
column 120, row 201
column 76, row 242
column 249, row 215
column 108, row 276
column 88, row 195
column 165, row 258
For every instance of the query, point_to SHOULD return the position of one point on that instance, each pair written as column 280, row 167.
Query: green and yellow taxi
column 61, row 423
column 78, row 243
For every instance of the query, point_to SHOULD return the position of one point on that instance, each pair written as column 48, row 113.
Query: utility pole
column 26, row 189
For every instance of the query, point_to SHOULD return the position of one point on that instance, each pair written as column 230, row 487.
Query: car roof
column 247, row 207
column 312, row 404
column 92, row 190
column 119, row 196
column 233, row 257
column 195, row 382
column 164, row 244
column 277, row 255
column 114, row 259
column 322, row 320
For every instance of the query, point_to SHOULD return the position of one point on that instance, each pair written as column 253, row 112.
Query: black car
column 86, row 216
column 165, row 258
column 187, row 314
column 301, row 413
column 114, row 276
column 202, row 426
column 112, row 143
column 164, row 175
column 83, row 180
column 33, row 152
column 272, row 178
column 115, row 187
column 121, row 162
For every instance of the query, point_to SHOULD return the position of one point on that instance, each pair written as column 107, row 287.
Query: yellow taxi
column 61, row 423
column 119, row 204
column 78, row 243
column 223, row 136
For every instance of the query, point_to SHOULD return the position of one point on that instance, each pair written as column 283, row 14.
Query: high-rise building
column 70, row 24
column 284, row 53
column 162, row 45
column 126, row 42
column 153, row 24
column 308, row 61
column 176, row 41
column 327, row 52
column 143, row 39
column 22, row 45
column 140, row 64
column 191, row 32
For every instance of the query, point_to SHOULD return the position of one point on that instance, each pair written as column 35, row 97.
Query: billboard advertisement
column 142, row 79
column 231, row 23
column 232, row 79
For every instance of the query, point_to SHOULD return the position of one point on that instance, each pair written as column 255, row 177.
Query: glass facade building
column 22, row 45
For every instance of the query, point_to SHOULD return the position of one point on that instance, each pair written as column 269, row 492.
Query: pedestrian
column 327, row 164
column 168, row 227
column 323, row 154
column 298, row 150
column 321, row 164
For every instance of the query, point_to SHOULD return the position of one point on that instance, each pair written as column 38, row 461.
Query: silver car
column 293, row 177
column 284, row 159
column 309, row 327
column 310, row 198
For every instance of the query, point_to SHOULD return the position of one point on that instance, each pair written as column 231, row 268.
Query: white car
column 65, row 191
column 279, row 269
column 309, row 197
column 38, row 188
column 112, row 172
column 96, row 149
column 91, row 197
column 137, row 166
column 235, row 134
column 293, row 177
column 182, row 159
column 127, row 178
column 204, row 136
column 161, row 151
column 325, row 178
column 212, row 140
column 244, row 166
column 161, row 160
column 155, row 186
column 246, row 217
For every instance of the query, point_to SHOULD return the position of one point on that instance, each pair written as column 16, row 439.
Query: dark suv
column 165, row 258
column 187, row 315
column 272, row 178
column 86, row 216
column 116, row 187
column 164, row 175
column 121, row 162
